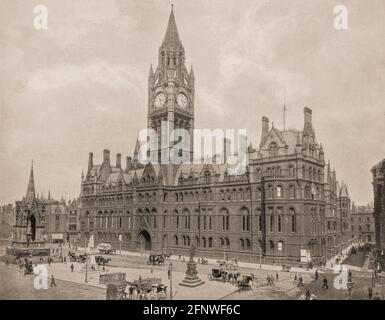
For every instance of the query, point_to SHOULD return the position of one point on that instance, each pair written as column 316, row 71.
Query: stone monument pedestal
column 191, row 279
column 90, row 264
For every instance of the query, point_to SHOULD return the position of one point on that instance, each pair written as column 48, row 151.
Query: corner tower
column 171, row 94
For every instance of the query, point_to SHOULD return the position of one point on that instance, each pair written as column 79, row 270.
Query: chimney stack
column 307, row 115
column 128, row 163
column 119, row 160
column 265, row 129
column 90, row 161
column 106, row 156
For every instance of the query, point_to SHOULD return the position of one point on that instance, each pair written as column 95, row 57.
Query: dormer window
column 273, row 149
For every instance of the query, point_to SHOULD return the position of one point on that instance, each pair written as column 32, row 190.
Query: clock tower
column 171, row 98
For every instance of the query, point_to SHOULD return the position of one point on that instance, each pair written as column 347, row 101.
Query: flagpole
column 284, row 109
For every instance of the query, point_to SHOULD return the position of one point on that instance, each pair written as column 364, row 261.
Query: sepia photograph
column 186, row 150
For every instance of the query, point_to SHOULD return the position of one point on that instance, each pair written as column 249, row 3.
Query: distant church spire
column 31, row 187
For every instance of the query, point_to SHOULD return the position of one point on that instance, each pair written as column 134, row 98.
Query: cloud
column 116, row 77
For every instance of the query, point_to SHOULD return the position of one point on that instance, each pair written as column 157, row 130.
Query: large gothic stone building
column 288, row 200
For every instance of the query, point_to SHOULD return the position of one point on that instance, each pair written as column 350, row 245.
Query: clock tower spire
column 171, row 97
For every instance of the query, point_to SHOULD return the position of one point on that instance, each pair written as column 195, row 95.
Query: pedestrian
column 130, row 293
column 300, row 281
column 377, row 297
column 72, row 267
column 325, row 283
column 370, row 293
column 53, row 283
column 49, row 261
column 126, row 290
column 276, row 276
column 295, row 278
column 316, row 274
column 307, row 295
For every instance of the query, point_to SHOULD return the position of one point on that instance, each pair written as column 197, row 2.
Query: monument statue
column 191, row 279
column 192, row 253
column 91, row 244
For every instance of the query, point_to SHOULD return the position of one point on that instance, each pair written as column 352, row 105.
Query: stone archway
column 32, row 221
column 144, row 240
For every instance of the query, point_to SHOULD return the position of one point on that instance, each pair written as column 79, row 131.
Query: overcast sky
column 81, row 85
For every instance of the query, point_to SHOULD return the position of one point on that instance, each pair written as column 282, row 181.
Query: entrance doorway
column 144, row 240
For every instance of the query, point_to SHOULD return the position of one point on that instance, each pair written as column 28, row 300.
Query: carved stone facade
column 287, row 200
column 378, row 172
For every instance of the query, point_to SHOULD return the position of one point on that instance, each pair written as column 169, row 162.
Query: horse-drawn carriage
column 246, row 282
column 100, row 260
column 156, row 259
column 72, row 256
column 216, row 274
column 28, row 268
column 286, row 268
column 148, row 289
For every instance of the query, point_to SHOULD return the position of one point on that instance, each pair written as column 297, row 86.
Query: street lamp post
column 170, row 278
column 120, row 244
column 86, row 280
column 350, row 287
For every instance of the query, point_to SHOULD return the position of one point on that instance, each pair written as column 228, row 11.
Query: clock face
column 182, row 100
column 160, row 100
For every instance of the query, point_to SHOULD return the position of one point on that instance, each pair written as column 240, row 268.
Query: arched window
column 186, row 214
column 176, row 217
column 210, row 242
column 258, row 213
column 307, row 192
column 280, row 246
column 176, row 240
column 242, row 244
column 272, row 246
column 293, row 220
column 292, row 191
column 279, row 192
column 225, row 219
column 273, row 149
column 279, row 222
column 204, row 242
column 270, row 191
column 245, row 219
column 247, row 242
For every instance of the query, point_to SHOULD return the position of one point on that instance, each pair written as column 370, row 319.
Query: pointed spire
column 321, row 153
column 151, row 72
column 31, row 187
column 49, row 194
column 192, row 72
column 137, row 148
column 171, row 38
column 344, row 191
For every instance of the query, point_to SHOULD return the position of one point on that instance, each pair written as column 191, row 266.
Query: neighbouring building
column 73, row 221
column 287, row 201
column 362, row 223
column 29, row 226
column 378, row 172
column 38, row 220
